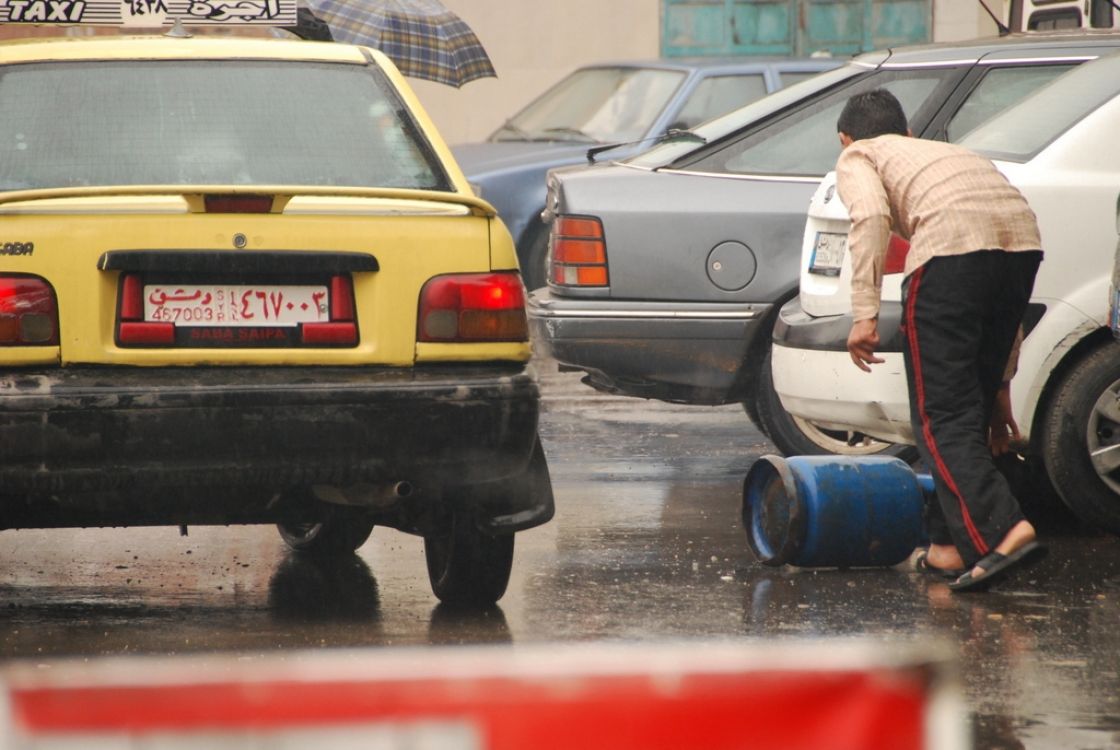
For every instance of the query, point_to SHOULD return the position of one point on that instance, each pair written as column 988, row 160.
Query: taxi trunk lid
column 246, row 287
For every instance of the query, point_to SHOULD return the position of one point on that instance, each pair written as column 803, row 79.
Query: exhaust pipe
column 380, row 495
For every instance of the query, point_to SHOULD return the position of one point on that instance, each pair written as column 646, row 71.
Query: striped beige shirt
column 944, row 199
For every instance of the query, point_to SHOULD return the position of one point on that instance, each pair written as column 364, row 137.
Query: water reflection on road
column 646, row 545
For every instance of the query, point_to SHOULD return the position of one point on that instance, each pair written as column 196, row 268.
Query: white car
column 1059, row 147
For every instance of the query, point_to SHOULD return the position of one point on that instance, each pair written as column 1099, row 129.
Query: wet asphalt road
column 646, row 545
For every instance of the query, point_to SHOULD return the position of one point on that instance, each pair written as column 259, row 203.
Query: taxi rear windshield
column 208, row 123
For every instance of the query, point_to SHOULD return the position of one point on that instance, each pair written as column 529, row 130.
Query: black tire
column 340, row 531
column 467, row 566
column 534, row 267
column 1081, row 438
column 794, row 436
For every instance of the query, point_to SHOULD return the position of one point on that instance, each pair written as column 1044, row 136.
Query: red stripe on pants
column 927, row 430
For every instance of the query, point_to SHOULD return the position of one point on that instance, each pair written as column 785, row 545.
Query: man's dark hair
column 872, row 113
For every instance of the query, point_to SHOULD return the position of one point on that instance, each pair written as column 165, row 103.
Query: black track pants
column 960, row 317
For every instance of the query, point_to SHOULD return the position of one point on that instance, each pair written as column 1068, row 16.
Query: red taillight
column 238, row 204
column 28, row 312
column 578, row 252
column 897, row 249
column 473, row 307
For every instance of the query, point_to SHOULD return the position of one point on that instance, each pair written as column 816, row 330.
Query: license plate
column 262, row 305
column 828, row 253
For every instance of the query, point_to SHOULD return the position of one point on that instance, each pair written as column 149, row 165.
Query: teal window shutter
column 790, row 27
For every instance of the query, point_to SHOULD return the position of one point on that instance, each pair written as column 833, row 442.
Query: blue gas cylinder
column 834, row 511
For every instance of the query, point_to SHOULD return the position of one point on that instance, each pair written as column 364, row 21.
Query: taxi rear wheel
column 341, row 531
column 467, row 566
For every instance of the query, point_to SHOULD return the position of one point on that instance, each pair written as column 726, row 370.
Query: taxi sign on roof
column 149, row 13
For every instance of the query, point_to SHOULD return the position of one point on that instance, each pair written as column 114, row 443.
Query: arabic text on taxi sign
column 149, row 13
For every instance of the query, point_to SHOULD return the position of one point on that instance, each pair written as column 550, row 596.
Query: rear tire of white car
column 467, row 566
column 1081, row 438
column 341, row 532
column 794, row 436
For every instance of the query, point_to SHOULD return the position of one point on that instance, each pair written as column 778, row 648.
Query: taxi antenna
column 178, row 30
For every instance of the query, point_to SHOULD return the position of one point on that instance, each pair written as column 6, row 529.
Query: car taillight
column 473, row 307
column 28, row 312
column 897, row 249
column 579, row 252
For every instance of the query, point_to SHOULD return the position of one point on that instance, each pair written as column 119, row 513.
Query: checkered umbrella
column 422, row 37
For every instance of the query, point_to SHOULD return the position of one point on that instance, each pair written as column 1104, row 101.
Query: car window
column 999, row 89
column 596, row 105
column 714, row 130
column 1022, row 131
column 194, row 122
column 789, row 77
column 805, row 142
column 717, row 95
column 1049, row 20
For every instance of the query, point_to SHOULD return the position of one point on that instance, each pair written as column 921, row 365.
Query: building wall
column 954, row 20
column 534, row 44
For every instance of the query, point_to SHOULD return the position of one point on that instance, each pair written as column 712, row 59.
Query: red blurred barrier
column 761, row 696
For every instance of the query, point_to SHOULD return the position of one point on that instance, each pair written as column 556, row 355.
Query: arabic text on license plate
column 828, row 255
column 272, row 305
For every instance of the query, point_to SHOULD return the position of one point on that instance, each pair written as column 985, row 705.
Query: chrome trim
column 544, row 312
column 1070, row 58
column 987, row 61
column 932, row 64
column 759, row 177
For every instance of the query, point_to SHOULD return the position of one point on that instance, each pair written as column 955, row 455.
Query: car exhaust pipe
column 366, row 495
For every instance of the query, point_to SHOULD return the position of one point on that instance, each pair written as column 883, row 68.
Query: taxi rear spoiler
column 195, row 195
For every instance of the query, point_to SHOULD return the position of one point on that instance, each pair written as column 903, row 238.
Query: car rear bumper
column 816, row 379
column 164, row 432
column 688, row 352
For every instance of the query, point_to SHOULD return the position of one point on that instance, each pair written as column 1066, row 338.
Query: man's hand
column 862, row 343
column 1002, row 429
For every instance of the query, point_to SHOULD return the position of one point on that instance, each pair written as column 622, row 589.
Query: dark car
column 668, row 270
column 631, row 104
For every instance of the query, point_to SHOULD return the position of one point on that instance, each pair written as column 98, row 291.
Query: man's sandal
column 995, row 567
column 923, row 565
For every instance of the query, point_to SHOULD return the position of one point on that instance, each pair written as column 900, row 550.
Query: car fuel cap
column 731, row 266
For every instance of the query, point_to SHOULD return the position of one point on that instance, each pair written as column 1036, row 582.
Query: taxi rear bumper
column 177, row 439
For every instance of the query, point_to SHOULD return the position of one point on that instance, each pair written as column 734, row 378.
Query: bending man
column 974, row 253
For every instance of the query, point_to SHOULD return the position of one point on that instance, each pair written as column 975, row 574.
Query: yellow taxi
column 243, row 281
